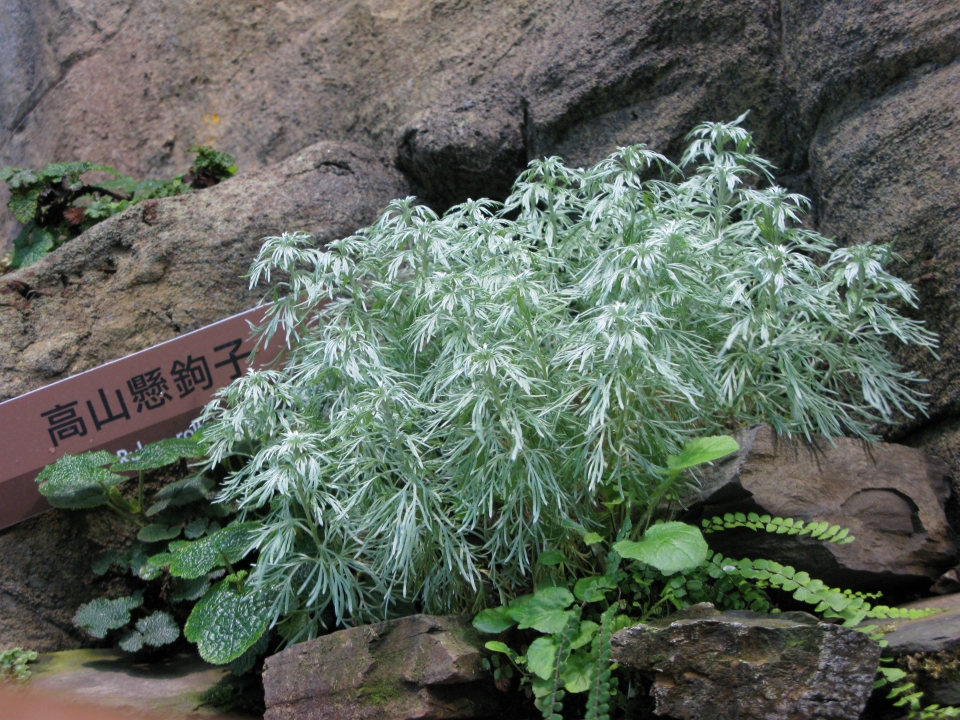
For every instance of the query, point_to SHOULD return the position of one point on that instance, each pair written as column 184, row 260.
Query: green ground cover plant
column 55, row 204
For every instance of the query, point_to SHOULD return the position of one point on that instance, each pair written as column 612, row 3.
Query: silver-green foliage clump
column 459, row 391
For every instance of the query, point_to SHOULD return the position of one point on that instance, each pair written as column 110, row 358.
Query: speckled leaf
column 158, row 629
column 181, row 492
column 226, row 622
column 78, row 480
column 159, row 454
column 102, row 615
column 131, row 641
column 201, row 556
column 192, row 589
column 196, row 529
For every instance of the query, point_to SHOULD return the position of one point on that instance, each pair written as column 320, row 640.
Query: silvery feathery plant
column 459, row 392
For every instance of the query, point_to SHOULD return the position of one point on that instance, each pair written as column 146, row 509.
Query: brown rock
column 741, row 665
column 170, row 266
column 416, row 667
column 469, row 91
column 45, row 576
column 890, row 497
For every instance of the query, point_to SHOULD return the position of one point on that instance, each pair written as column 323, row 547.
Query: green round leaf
column 493, row 620
column 702, row 450
column 541, row 656
column 102, row 615
column 671, row 548
column 551, row 557
column 155, row 533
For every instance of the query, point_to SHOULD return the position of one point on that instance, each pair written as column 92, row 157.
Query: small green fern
column 823, row 531
column 598, row 699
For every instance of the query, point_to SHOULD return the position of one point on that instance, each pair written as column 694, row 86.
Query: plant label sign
column 148, row 396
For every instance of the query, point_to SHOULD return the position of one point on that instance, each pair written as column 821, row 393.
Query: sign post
column 153, row 394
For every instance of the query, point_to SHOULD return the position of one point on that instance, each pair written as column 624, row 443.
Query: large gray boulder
column 420, row 666
column 742, row 665
column 891, row 497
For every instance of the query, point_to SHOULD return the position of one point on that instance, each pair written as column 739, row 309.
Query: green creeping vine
column 668, row 567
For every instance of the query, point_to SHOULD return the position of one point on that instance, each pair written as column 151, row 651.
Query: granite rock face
column 420, row 666
column 166, row 267
column 741, row 665
column 891, row 497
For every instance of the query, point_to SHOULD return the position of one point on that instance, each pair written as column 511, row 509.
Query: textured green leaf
column 180, row 493
column 541, row 657
column 76, row 481
column 544, row 611
column 592, row 589
column 225, row 622
column 131, row 641
column 201, row 556
column 670, row 547
column 702, row 450
column 104, row 561
column 244, row 664
column 24, row 208
column 156, row 533
column 588, row 630
column 102, row 615
column 591, row 538
column 493, row 620
column 159, row 454
column 158, row 629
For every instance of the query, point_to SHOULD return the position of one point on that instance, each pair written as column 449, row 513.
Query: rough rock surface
column 45, row 576
column 166, row 267
column 171, row 689
column 417, row 667
column 741, row 665
column 891, row 497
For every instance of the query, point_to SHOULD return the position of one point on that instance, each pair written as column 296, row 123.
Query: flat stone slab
column 420, row 667
column 168, row 689
column 742, row 665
